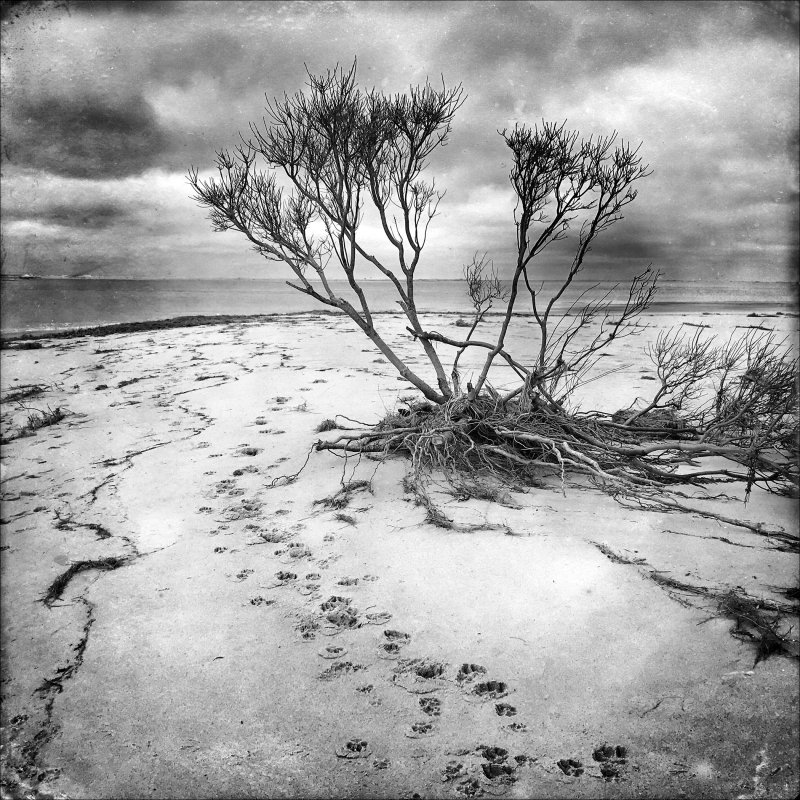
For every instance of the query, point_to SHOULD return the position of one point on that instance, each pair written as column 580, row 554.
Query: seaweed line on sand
column 757, row 620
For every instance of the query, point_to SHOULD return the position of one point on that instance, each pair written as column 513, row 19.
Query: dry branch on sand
column 36, row 419
column 762, row 622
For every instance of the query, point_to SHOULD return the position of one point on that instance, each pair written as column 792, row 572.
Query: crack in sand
column 30, row 770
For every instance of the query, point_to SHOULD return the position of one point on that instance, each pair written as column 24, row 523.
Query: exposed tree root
column 786, row 542
column 342, row 498
column 489, row 444
column 435, row 516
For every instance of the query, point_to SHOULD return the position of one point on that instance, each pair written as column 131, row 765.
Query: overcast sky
column 105, row 105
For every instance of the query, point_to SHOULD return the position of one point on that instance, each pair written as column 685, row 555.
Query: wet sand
column 207, row 635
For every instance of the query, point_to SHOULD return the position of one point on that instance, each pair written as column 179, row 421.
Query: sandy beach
column 178, row 622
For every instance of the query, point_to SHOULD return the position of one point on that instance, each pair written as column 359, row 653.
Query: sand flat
column 186, row 661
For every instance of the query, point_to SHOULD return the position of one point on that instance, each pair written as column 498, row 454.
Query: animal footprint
column 420, row 729
column 307, row 628
column 397, row 636
column 607, row 752
column 467, row 672
column 471, row 787
column 452, row 770
column 344, row 617
column 431, row 706
column 332, row 651
column 503, row 773
column 283, row 578
column 260, row 601
column 378, row 618
column 613, row 760
column 272, row 536
column 354, row 748
column 341, row 668
column 429, row 669
column 496, row 755
column 505, row 710
column 335, row 602
column 612, row 771
column 415, row 675
column 570, row 766
column 339, row 612
column 296, row 550
column 347, row 582
column 490, row 690
column 369, row 693
column 396, row 640
column 389, row 650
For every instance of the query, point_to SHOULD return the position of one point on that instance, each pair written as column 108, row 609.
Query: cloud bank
column 105, row 105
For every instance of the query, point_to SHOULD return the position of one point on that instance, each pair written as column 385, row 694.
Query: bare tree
column 299, row 188
column 340, row 148
column 483, row 287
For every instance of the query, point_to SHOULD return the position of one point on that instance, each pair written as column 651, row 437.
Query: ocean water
column 56, row 304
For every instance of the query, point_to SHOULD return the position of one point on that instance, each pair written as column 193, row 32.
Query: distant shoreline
column 191, row 321
column 46, row 306
column 458, row 279
column 198, row 320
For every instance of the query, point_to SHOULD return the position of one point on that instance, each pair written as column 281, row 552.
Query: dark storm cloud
column 570, row 39
column 86, row 136
column 11, row 10
column 132, row 7
column 778, row 18
column 40, row 9
column 91, row 215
